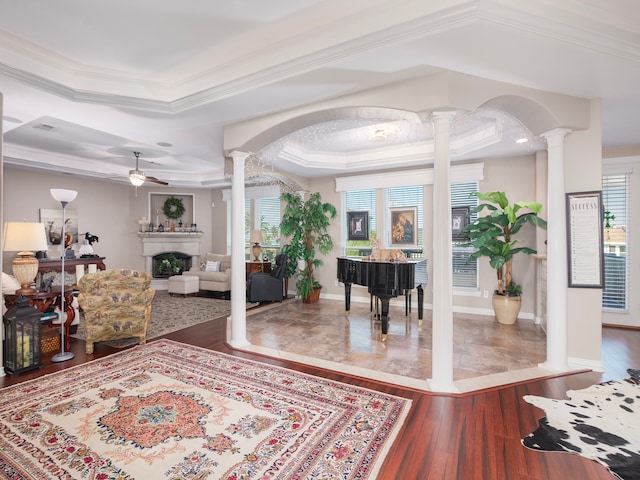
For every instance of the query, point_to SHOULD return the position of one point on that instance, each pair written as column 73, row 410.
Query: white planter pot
column 506, row 308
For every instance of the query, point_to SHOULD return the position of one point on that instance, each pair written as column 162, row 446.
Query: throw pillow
column 203, row 265
column 9, row 284
column 212, row 266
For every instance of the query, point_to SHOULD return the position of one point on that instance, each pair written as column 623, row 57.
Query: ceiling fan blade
column 155, row 180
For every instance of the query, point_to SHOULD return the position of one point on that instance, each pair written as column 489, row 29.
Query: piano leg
column 384, row 317
column 407, row 302
column 420, row 302
column 347, row 299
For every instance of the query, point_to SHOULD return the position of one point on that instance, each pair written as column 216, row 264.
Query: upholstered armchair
column 116, row 304
column 268, row 287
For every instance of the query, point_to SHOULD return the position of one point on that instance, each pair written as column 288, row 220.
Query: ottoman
column 184, row 284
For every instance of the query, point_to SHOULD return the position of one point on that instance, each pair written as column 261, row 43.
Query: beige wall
column 106, row 209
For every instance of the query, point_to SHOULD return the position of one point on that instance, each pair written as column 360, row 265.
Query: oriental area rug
column 170, row 410
column 601, row 423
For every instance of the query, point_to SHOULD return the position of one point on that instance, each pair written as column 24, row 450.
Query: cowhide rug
column 601, row 422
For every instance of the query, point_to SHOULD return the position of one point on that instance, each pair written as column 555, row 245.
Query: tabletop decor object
column 24, row 238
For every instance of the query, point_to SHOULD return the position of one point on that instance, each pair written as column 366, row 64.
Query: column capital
column 237, row 154
column 442, row 115
column 556, row 132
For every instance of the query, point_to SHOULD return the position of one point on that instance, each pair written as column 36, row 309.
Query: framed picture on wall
column 459, row 221
column 52, row 220
column 358, row 225
column 585, row 217
column 403, row 226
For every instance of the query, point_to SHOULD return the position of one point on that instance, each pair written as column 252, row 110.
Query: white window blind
column 465, row 275
column 268, row 220
column 614, row 200
column 360, row 201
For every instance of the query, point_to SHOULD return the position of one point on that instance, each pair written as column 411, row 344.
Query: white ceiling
column 121, row 76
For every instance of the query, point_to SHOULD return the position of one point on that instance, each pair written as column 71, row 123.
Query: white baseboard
column 585, row 363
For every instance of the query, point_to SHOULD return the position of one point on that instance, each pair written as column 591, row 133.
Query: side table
column 43, row 300
column 256, row 267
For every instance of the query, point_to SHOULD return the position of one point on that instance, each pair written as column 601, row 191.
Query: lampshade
column 256, row 236
column 136, row 177
column 63, row 196
column 24, row 238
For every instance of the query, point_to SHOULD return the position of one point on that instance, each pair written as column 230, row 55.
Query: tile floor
column 485, row 353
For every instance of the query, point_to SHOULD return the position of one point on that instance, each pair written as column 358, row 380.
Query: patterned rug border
column 370, row 459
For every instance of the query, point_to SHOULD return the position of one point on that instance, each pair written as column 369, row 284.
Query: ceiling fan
column 137, row 177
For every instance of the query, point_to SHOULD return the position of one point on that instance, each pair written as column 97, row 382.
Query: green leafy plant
column 306, row 224
column 492, row 235
column 170, row 264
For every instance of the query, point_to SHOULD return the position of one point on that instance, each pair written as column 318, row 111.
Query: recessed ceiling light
column 164, row 144
column 522, row 140
column 380, row 135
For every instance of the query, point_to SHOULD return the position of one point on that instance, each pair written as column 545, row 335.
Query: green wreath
column 173, row 208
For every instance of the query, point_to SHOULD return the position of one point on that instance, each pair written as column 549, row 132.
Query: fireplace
column 157, row 243
column 166, row 264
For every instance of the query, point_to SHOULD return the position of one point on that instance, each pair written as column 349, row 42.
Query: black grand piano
column 384, row 280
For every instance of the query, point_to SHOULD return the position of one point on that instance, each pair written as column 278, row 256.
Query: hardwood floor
column 472, row 436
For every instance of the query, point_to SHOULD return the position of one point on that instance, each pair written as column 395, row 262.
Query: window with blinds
column 465, row 275
column 614, row 200
column 263, row 214
column 360, row 201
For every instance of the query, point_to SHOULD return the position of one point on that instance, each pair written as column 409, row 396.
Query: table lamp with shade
column 64, row 197
column 24, row 238
column 256, row 239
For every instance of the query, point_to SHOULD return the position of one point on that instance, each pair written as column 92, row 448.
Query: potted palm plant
column 492, row 236
column 306, row 223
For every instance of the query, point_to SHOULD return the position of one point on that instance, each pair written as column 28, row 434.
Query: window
column 614, row 199
column 465, row 275
column 360, row 201
column 268, row 220
column 262, row 212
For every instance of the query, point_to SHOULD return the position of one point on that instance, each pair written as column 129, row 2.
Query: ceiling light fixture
column 136, row 177
column 380, row 135
column 522, row 140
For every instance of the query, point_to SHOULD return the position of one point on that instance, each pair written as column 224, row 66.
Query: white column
column 238, row 285
column 442, row 356
column 557, row 283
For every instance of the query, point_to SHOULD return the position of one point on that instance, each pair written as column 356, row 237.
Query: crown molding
column 411, row 20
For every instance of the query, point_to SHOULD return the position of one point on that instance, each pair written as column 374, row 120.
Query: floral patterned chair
column 116, row 304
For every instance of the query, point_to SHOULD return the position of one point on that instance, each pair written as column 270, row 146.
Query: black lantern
column 22, row 337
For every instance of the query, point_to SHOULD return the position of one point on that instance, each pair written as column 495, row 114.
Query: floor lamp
column 64, row 197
